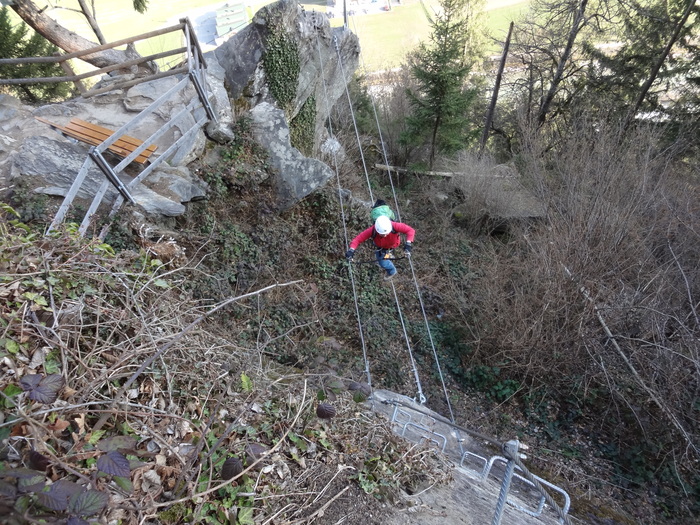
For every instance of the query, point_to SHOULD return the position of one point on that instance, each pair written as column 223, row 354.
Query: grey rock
column 177, row 183
column 51, row 166
column 321, row 73
column 219, row 130
column 297, row 176
column 235, row 76
column 11, row 109
column 155, row 204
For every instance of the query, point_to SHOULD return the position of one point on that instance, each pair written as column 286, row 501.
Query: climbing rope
column 413, row 273
column 345, row 228
column 354, row 121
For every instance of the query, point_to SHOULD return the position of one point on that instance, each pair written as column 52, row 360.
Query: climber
column 385, row 234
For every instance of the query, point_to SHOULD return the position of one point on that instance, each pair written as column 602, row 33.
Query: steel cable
column 413, row 273
column 342, row 212
column 420, row 395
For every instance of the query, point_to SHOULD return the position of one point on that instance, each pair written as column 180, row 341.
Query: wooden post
column 494, row 97
column 69, row 72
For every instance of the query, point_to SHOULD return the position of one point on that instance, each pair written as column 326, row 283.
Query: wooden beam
column 405, row 170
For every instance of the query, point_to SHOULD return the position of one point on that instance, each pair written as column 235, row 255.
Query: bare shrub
column 389, row 91
column 599, row 303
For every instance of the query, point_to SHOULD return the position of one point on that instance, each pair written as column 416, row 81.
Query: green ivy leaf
column 161, row 283
column 10, row 391
column 245, row 516
column 35, row 298
column 11, row 346
column 246, row 383
column 124, row 483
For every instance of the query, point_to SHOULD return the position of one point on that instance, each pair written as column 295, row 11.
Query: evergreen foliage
column 15, row 44
column 644, row 32
column 140, row 6
column 440, row 67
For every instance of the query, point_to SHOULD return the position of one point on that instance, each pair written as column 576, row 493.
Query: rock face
column 47, row 162
column 323, row 72
column 312, row 73
column 297, row 176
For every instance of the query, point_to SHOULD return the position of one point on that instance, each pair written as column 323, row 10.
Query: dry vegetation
column 591, row 311
column 124, row 398
column 575, row 331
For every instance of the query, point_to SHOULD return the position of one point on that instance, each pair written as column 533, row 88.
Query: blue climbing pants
column 385, row 262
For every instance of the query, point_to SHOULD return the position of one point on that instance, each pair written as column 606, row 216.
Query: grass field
column 384, row 37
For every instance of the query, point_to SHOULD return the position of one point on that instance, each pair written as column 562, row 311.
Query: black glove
column 407, row 247
column 349, row 254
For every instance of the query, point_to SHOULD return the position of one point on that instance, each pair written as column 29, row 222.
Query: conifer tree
column 645, row 30
column 15, row 44
column 441, row 66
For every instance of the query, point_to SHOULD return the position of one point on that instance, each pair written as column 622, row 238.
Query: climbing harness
column 374, row 261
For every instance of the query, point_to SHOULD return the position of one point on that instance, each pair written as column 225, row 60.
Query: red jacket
column 390, row 241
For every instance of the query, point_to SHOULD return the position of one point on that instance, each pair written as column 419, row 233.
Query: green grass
column 385, row 38
column 499, row 19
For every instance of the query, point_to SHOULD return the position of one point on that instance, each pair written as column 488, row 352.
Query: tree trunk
column 63, row 38
column 433, row 143
column 657, row 66
column 496, row 87
column 563, row 61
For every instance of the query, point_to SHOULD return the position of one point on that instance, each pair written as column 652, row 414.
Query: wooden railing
column 184, row 25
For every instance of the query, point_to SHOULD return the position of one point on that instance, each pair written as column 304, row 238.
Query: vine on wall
column 302, row 127
column 282, row 65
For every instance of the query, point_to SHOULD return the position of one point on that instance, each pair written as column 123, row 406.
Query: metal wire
column 421, row 396
column 352, row 114
column 342, row 212
column 381, row 138
column 413, row 273
column 515, row 460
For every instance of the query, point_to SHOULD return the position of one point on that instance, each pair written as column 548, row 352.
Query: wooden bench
column 95, row 135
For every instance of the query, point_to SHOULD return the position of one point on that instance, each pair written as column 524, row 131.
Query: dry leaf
column 183, row 428
column 67, row 393
column 60, row 425
column 20, row 429
column 39, row 357
column 152, row 476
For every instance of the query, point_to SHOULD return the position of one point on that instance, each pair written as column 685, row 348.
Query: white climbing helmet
column 383, row 225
